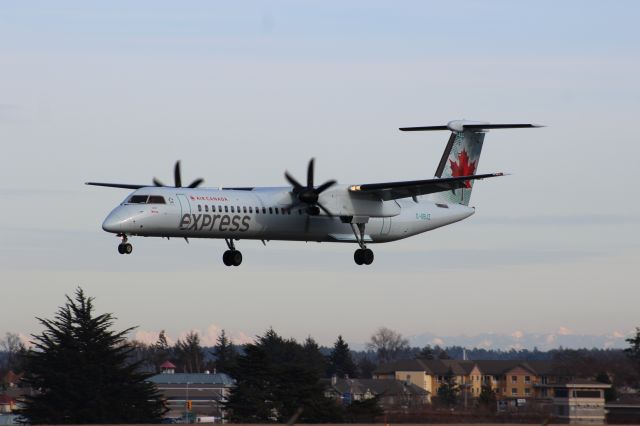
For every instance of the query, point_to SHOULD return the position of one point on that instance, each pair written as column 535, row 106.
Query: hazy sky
column 241, row 91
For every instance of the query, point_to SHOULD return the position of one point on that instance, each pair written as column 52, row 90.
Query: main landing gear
column 231, row 257
column 363, row 255
column 124, row 247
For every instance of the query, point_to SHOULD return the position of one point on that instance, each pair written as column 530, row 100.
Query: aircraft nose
column 113, row 222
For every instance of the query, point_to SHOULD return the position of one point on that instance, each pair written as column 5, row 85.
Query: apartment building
column 517, row 380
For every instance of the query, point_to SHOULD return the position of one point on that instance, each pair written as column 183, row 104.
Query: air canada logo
column 463, row 167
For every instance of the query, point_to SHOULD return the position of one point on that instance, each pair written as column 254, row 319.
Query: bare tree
column 12, row 346
column 389, row 345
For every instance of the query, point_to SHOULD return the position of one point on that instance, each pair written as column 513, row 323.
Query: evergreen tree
column 633, row 351
column 189, row 353
column 340, row 361
column 274, row 381
column 448, row 390
column 80, row 368
column 161, row 351
column 426, row 353
column 313, row 358
column 487, row 398
column 609, row 394
column 225, row 354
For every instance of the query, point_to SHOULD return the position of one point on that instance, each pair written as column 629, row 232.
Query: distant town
column 78, row 362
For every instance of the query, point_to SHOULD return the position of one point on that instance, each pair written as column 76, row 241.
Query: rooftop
column 192, row 378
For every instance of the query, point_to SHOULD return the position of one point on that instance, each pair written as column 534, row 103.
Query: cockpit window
column 156, row 199
column 138, row 199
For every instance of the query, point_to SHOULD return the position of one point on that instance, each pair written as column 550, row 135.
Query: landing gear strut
column 124, row 247
column 231, row 257
column 363, row 255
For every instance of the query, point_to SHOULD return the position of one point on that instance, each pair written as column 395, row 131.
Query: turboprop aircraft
column 358, row 213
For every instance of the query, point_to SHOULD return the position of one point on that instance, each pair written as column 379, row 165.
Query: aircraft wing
column 394, row 190
column 117, row 185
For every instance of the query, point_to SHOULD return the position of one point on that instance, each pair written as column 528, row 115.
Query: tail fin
column 462, row 154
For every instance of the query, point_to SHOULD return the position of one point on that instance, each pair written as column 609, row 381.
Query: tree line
column 82, row 370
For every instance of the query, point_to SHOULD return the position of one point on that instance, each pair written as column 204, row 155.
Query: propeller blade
column 310, row 170
column 296, row 185
column 156, row 182
column 324, row 209
column 176, row 175
column 196, row 183
column 326, row 186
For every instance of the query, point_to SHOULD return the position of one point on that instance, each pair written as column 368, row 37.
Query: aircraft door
column 185, row 206
column 386, row 226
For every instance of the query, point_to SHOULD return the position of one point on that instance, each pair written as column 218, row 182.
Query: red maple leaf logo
column 463, row 167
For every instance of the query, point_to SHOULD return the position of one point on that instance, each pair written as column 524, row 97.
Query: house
column 580, row 401
column 7, row 404
column 199, row 394
column 392, row 394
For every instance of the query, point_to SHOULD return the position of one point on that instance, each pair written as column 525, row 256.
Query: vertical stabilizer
column 460, row 158
column 462, row 154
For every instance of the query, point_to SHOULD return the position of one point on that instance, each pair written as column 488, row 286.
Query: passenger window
column 219, row 209
column 226, row 209
column 138, row 199
column 206, row 208
column 250, row 209
column 238, row 209
column 244, row 209
column 299, row 211
column 276, row 209
column 270, row 210
column 156, row 199
column 199, row 208
column 232, row 210
column 264, row 210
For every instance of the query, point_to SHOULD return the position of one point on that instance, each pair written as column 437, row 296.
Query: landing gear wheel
column 121, row 248
column 236, row 258
column 226, row 258
column 232, row 258
column 363, row 256
column 128, row 248
column 367, row 256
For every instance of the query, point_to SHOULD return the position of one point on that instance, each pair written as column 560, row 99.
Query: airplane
column 360, row 214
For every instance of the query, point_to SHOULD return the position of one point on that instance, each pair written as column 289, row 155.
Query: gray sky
column 242, row 91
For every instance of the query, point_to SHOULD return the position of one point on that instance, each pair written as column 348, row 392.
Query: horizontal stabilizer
column 117, row 185
column 461, row 125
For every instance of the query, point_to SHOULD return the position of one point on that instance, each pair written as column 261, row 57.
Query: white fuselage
column 265, row 214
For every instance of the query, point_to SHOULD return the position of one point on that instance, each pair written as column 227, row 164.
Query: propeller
column 178, row 179
column 309, row 194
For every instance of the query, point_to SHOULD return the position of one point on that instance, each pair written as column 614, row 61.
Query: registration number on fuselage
column 423, row 216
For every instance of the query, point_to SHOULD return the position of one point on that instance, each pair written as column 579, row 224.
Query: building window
column 514, row 379
column 527, row 391
column 514, row 391
column 527, row 379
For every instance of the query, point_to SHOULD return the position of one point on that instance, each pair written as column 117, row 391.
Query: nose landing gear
column 124, row 247
column 231, row 257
